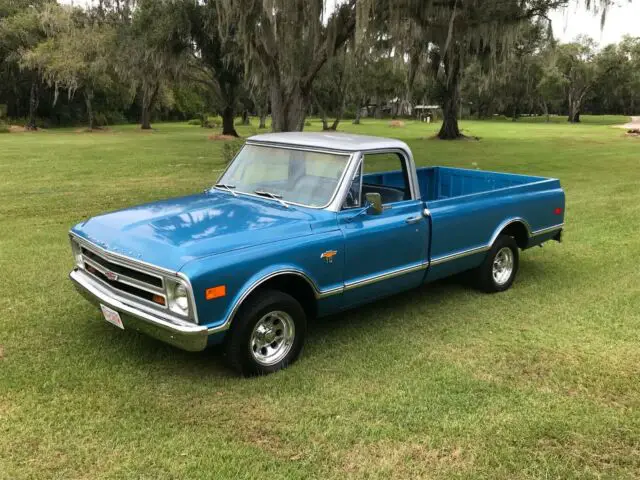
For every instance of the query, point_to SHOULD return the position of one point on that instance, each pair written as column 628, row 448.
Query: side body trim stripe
column 320, row 294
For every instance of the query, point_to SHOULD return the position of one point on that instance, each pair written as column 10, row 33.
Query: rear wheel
column 267, row 334
column 499, row 269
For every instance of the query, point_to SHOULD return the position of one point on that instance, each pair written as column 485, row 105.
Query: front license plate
column 112, row 316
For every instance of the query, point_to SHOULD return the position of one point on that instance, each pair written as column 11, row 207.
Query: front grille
column 122, row 286
column 121, row 270
column 130, row 281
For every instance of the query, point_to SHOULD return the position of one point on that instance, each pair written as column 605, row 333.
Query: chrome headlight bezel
column 77, row 254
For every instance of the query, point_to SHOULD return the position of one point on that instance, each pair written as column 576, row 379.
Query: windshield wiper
column 275, row 196
column 226, row 186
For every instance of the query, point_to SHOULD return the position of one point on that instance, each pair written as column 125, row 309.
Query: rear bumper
column 184, row 335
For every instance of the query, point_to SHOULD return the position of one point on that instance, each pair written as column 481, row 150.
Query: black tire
column 485, row 279
column 238, row 344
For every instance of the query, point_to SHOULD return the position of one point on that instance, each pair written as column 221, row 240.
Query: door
column 384, row 253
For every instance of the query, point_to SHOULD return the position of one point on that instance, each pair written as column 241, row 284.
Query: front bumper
column 184, row 335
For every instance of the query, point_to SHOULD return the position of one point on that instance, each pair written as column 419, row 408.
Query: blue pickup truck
column 303, row 225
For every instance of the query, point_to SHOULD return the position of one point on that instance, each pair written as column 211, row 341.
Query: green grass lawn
column 542, row 381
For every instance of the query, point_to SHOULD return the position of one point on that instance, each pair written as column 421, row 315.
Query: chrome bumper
column 184, row 335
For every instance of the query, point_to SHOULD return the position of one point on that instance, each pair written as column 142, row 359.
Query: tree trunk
column 34, row 99
column 288, row 109
column 323, row 116
column 575, row 104
column 450, row 93
column 88, row 98
column 449, row 129
column 145, row 120
column 262, row 114
column 336, row 122
column 245, row 117
column 228, row 116
column 145, row 123
column 356, row 121
column 574, row 113
column 450, row 108
column 545, row 110
column 148, row 101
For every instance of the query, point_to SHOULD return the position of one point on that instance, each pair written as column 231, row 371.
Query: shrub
column 307, row 123
column 350, row 113
column 230, row 149
column 4, row 128
column 40, row 122
column 204, row 121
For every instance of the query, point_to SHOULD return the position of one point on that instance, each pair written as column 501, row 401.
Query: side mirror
column 375, row 203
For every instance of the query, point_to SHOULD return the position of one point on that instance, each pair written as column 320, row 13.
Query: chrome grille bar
column 121, row 277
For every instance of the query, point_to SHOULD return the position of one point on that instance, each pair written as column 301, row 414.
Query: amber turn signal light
column 215, row 292
column 158, row 299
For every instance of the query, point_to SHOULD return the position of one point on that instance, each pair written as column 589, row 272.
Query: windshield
column 297, row 176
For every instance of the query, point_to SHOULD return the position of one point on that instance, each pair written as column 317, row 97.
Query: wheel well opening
column 297, row 287
column 519, row 232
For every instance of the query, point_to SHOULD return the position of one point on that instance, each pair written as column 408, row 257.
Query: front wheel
column 267, row 334
column 499, row 269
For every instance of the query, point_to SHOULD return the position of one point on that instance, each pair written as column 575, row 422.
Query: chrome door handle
column 413, row 219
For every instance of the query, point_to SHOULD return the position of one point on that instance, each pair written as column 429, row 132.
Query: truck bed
column 439, row 183
column 469, row 207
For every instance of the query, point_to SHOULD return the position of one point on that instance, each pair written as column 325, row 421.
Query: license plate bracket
column 111, row 316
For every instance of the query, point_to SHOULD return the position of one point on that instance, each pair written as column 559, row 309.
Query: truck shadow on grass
column 389, row 319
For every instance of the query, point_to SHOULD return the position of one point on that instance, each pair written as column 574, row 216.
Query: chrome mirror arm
column 362, row 211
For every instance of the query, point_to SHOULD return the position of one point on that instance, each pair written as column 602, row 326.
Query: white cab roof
column 330, row 140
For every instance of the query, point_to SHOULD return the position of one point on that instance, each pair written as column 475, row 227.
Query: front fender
column 242, row 271
column 255, row 281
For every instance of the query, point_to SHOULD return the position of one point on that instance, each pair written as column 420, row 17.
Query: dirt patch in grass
column 461, row 138
column 95, row 130
column 256, row 425
column 222, row 137
column 22, row 128
column 557, row 371
column 403, row 460
column 5, row 408
column 396, row 123
column 633, row 132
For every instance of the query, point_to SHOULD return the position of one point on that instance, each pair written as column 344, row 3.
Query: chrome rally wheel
column 503, row 266
column 500, row 267
column 267, row 333
column 272, row 337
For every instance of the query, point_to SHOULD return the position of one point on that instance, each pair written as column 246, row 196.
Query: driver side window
column 386, row 174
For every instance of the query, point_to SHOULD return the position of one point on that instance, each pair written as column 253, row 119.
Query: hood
column 172, row 232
